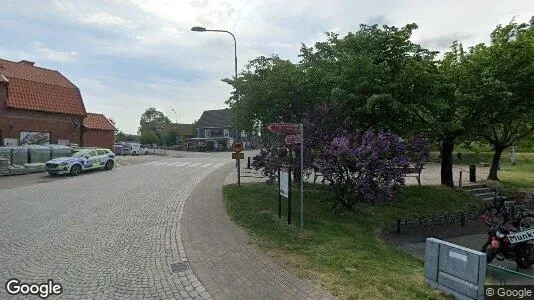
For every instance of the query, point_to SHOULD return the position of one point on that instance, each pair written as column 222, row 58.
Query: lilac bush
column 368, row 166
column 418, row 150
column 268, row 161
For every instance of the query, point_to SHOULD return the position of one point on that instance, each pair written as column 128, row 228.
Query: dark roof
column 97, row 121
column 40, row 89
column 215, row 118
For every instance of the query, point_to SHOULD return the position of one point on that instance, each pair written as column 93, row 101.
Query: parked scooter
column 505, row 244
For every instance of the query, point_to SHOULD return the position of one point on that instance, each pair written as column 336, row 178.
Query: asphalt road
column 113, row 234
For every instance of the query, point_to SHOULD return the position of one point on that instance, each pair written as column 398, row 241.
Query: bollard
column 472, row 173
column 248, row 163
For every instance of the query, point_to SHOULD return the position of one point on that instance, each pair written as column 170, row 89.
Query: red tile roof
column 97, row 121
column 40, row 89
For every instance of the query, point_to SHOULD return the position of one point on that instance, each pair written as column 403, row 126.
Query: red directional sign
column 293, row 139
column 285, row 128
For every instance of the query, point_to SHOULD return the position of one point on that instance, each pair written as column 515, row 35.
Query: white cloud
column 104, row 19
column 46, row 53
column 151, row 41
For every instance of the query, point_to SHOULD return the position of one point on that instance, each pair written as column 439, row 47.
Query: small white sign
column 284, row 182
column 457, row 255
column 522, row 236
column 63, row 142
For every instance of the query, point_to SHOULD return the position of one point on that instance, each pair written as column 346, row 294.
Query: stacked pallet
column 17, row 170
column 38, row 154
column 5, row 152
column 35, row 167
column 59, row 151
column 4, row 166
column 19, row 155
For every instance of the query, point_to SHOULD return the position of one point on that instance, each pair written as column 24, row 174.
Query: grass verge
column 514, row 179
column 345, row 254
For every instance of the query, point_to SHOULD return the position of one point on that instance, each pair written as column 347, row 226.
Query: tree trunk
column 495, row 163
column 447, row 146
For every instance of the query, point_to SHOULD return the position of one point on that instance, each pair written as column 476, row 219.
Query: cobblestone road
column 104, row 235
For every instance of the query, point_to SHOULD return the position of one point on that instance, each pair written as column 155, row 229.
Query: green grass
column 517, row 178
column 345, row 254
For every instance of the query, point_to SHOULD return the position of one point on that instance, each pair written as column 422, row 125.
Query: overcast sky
column 127, row 55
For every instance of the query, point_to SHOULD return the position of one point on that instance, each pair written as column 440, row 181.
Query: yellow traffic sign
column 238, row 155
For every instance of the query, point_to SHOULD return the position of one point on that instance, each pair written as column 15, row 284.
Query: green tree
column 148, row 137
column 152, row 117
column 120, row 137
column 503, row 88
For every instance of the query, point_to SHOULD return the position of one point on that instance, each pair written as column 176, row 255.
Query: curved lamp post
column 202, row 29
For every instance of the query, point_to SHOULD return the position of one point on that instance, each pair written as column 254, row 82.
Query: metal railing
column 503, row 271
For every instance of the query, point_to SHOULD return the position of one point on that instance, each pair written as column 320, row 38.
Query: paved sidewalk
column 222, row 257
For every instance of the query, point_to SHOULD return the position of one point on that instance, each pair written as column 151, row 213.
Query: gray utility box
column 455, row 269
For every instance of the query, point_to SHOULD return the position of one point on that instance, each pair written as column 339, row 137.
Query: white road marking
column 174, row 163
column 195, row 164
column 184, row 164
column 206, row 165
column 150, row 163
column 159, row 163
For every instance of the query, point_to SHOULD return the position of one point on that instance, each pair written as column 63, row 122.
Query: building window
column 226, row 133
column 206, row 133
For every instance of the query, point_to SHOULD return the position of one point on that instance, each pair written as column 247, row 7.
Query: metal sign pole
column 279, row 195
column 301, row 175
column 289, row 196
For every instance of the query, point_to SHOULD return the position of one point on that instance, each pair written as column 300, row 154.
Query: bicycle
column 501, row 214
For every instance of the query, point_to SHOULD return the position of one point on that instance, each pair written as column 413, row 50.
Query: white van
column 131, row 149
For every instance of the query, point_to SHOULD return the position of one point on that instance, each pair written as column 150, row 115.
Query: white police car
column 85, row 159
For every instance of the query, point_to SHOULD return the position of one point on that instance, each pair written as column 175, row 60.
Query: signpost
column 285, row 128
column 237, row 155
column 294, row 135
column 293, row 139
column 284, row 175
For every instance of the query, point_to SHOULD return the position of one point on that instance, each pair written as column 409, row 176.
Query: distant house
column 214, row 130
column 98, row 131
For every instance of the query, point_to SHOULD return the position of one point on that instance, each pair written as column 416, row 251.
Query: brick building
column 38, row 105
column 98, row 131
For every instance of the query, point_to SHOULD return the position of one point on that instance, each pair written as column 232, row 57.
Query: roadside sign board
column 293, row 139
column 285, row 128
column 284, row 182
column 237, row 146
column 238, row 155
column 521, row 236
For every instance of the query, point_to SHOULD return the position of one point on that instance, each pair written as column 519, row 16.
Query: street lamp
column 202, row 29
column 175, row 115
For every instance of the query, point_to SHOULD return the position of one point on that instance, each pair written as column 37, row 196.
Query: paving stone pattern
column 102, row 235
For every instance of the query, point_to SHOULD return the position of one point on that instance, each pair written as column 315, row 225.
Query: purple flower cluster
column 367, row 166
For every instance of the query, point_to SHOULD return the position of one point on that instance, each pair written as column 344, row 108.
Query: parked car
column 144, row 150
column 117, row 148
column 131, row 149
column 85, row 159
